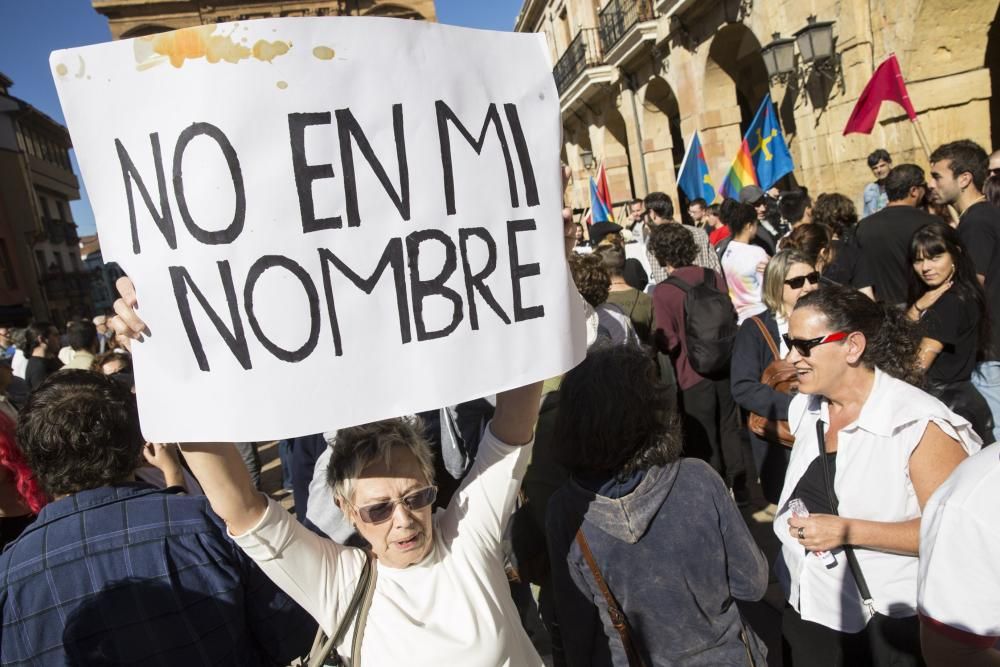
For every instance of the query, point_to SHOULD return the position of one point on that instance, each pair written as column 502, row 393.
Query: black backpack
column 709, row 325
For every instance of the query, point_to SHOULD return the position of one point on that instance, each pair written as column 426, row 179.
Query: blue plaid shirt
column 131, row 574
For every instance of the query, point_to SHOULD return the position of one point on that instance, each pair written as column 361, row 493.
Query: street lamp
column 779, row 58
column 815, row 41
column 588, row 159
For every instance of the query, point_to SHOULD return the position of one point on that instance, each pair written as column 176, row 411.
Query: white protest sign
column 328, row 221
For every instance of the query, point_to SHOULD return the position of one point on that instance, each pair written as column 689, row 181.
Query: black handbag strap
column 852, row 558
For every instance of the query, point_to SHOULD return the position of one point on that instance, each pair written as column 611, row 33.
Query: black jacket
column 751, row 355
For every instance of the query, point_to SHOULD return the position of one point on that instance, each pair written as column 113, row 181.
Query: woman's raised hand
column 126, row 323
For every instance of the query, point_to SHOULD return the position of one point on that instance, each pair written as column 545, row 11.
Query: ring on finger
column 802, row 533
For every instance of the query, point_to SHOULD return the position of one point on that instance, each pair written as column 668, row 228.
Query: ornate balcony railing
column 619, row 16
column 54, row 230
column 583, row 52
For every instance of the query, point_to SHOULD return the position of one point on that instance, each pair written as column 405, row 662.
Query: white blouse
column 453, row 608
column 872, row 482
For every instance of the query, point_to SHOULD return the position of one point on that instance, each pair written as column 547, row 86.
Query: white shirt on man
column 959, row 580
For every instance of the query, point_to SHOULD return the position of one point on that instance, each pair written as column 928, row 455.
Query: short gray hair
column 358, row 447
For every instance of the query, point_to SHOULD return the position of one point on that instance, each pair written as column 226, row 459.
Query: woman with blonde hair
column 789, row 275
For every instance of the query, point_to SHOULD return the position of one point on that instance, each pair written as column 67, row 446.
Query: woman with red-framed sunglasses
column 870, row 449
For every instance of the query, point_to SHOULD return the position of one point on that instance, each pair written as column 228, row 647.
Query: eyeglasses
column 798, row 281
column 804, row 346
column 381, row 512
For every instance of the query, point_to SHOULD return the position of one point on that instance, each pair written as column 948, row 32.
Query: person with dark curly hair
column 949, row 305
column 711, row 424
column 837, row 212
column 845, row 264
column 131, row 571
column 870, row 450
column 607, row 323
column 642, row 509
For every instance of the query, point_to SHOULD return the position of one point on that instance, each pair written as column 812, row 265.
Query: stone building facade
column 41, row 273
column 135, row 18
column 637, row 77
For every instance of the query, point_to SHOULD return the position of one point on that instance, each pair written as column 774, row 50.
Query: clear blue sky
column 31, row 29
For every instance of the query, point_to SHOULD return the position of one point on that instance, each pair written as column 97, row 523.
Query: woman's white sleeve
column 485, row 500
column 317, row 573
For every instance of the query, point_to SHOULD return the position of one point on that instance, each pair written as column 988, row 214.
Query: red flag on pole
column 886, row 85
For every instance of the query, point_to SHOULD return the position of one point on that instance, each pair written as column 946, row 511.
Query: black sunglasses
column 798, row 281
column 382, row 512
column 804, row 346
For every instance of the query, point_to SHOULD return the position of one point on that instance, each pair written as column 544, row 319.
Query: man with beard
column 958, row 172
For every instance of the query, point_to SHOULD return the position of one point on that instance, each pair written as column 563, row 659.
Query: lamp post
column 816, row 49
column 779, row 58
column 815, row 42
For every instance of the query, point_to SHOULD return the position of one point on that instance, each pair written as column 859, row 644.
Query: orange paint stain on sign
column 199, row 42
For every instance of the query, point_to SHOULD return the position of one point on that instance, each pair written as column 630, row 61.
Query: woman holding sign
column 437, row 592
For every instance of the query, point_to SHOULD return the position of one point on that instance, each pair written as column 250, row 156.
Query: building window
column 59, row 261
column 40, row 261
column 6, row 269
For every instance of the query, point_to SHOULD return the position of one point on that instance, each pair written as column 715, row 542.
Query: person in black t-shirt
column 883, row 238
column 958, row 172
column 950, row 305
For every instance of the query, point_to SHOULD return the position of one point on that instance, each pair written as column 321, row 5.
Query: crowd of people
column 846, row 366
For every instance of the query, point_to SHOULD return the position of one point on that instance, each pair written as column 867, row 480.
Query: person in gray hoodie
column 664, row 531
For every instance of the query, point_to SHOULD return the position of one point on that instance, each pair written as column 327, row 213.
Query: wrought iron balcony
column 583, row 52
column 620, row 16
column 54, row 230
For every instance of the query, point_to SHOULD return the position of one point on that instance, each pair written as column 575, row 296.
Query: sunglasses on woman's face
column 382, row 512
column 804, row 346
column 798, row 281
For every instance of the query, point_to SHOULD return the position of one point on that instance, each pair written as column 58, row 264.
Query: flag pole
column 923, row 138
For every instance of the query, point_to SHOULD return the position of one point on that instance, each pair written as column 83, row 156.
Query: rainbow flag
column 740, row 175
column 602, row 209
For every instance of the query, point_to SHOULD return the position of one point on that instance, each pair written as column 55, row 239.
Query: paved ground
column 763, row 616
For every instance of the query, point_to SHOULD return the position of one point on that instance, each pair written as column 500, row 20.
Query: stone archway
column 663, row 141
column 144, row 30
column 735, row 83
column 736, row 51
column 395, row 11
column 611, row 145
